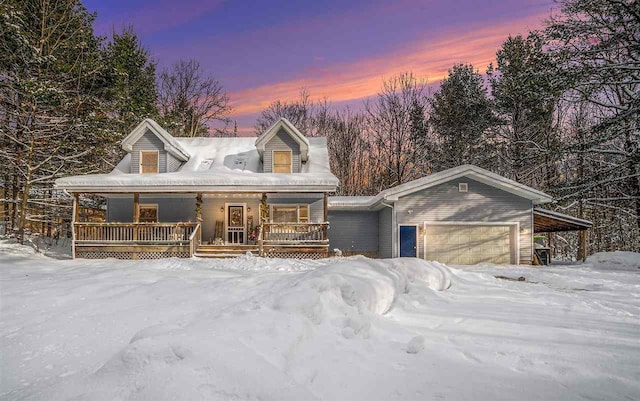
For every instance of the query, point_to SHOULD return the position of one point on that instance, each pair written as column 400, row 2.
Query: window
column 290, row 213
column 148, row 161
column 148, row 213
column 463, row 187
column 282, row 161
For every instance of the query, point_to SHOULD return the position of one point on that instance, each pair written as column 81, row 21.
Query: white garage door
column 469, row 244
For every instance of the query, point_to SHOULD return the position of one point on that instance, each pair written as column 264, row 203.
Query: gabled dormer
column 153, row 149
column 282, row 148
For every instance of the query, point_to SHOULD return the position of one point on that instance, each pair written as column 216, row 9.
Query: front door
column 236, row 225
column 408, row 241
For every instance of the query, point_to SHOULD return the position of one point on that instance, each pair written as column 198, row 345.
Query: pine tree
column 460, row 116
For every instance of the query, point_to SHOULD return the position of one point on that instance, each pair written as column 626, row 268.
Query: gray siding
column 482, row 203
column 149, row 141
column 170, row 209
column 316, row 205
column 353, row 231
column 385, row 233
column 211, row 213
column 281, row 141
column 173, row 164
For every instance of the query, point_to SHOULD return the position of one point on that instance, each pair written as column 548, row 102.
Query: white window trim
column 417, row 226
column 296, row 205
column 462, row 185
column 149, row 206
column 157, row 161
column 515, row 225
column 273, row 160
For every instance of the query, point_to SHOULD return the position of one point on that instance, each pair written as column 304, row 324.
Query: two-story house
column 180, row 197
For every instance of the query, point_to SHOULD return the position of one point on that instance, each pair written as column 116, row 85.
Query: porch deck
column 157, row 240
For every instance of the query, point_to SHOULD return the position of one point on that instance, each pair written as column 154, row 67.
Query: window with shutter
column 148, row 162
column 282, row 161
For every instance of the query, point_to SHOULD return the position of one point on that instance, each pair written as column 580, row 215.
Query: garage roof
column 545, row 221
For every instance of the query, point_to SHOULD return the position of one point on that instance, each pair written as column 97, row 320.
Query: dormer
column 282, row 148
column 153, row 149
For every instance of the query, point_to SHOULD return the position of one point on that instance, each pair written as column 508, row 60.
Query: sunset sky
column 340, row 50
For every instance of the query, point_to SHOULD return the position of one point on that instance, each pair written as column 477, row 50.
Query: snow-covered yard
column 342, row 329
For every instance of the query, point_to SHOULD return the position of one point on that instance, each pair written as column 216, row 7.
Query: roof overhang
column 473, row 172
column 170, row 145
column 545, row 221
column 285, row 124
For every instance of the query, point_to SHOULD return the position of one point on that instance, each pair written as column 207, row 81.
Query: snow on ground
column 343, row 329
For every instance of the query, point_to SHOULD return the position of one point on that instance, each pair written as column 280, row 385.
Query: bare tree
column 189, row 101
column 390, row 125
column 311, row 118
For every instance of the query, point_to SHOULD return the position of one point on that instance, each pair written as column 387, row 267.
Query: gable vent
column 463, row 187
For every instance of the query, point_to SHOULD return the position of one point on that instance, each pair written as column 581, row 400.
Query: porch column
column 263, row 217
column 74, row 218
column 326, row 216
column 199, row 207
column 550, row 243
column 136, row 214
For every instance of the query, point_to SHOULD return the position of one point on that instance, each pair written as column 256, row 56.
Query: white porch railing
column 123, row 233
column 295, row 233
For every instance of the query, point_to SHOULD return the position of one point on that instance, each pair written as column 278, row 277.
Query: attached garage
column 467, row 244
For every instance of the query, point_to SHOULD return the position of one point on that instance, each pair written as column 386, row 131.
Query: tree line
column 558, row 110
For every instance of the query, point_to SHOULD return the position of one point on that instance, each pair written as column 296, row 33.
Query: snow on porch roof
column 549, row 221
column 216, row 165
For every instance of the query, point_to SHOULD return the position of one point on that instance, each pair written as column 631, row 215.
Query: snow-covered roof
column 171, row 144
column 467, row 170
column 285, row 124
column 216, row 165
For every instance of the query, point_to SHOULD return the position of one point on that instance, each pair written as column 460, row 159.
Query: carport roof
column 545, row 221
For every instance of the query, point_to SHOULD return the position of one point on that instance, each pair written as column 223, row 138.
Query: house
column 219, row 197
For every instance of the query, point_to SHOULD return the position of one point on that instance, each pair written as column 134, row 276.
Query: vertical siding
column 148, row 141
column 170, row 209
column 385, row 231
column 281, row 141
column 211, row 213
column 481, row 203
column 353, row 231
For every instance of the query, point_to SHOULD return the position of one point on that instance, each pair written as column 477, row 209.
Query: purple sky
column 265, row 51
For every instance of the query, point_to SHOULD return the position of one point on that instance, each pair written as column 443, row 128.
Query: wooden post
column 551, row 249
column 326, row 216
column 74, row 218
column 199, row 207
column 582, row 248
column 136, row 215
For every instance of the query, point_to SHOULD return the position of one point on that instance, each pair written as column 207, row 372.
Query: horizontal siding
column 173, row 164
column 281, row 141
column 353, row 231
column 211, row 213
column 481, row 203
column 316, row 205
column 385, row 235
column 170, row 209
column 148, row 141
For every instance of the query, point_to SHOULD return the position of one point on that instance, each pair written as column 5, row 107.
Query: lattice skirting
column 297, row 255
column 131, row 255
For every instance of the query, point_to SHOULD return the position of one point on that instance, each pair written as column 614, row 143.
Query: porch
column 219, row 225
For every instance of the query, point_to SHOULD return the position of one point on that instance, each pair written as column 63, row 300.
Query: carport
column 549, row 222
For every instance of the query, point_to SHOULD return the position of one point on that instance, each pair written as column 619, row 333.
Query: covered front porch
column 207, row 224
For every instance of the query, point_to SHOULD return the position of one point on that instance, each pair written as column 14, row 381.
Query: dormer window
column 282, row 161
column 148, row 161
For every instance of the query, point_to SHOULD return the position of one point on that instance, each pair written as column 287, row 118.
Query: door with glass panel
column 236, row 224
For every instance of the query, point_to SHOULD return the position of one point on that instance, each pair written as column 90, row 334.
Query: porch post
column 199, row 213
column 136, row 214
column 326, row 216
column 74, row 218
column 263, row 217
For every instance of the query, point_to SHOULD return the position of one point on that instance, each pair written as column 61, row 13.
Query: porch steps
column 224, row 251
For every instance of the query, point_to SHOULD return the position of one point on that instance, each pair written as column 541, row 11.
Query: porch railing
column 294, row 233
column 156, row 233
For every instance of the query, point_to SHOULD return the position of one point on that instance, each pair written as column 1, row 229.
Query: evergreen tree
column 460, row 116
column 526, row 93
column 131, row 76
